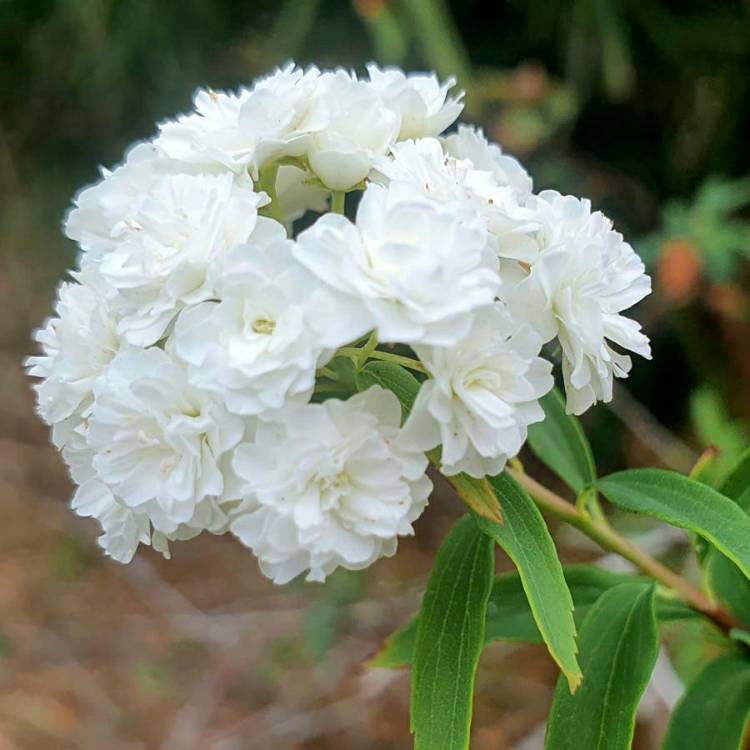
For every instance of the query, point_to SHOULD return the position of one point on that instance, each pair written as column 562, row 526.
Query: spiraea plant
column 210, row 367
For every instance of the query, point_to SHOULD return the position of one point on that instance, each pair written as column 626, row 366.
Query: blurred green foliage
column 84, row 77
column 711, row 223
column 330, row 610
column 715, row 427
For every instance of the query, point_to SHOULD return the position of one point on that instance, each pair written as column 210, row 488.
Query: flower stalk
column 397, row 359
column 338, row 201
column 603, row 534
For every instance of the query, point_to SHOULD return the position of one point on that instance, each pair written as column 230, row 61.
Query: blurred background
column 642, row 105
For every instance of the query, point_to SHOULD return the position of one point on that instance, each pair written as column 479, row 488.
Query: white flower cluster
column 187, row 372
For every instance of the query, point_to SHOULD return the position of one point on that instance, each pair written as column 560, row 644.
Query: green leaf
column 724, row 580
column 527, row 541
column 737, row 484
column 727, row 585
column 741, row 636
column 509, row 616
column 398, row 648
column 619, row 643
column 669, row 608
column 329, row 610
column 393, row 378
column 477, row 494
column 714, row 710
column 714, row 426
column 685, row 503
column 559, row 442
column 449, row 639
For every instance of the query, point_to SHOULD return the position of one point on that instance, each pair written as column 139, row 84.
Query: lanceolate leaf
column 398, row 647
column 726, row 584
column 525, row 537
column 683, row 502
column 561, row 444
column 509, row 616
column 478, row 495
column 449, row 639
column 725, row 581
column 714, row 711
column 737, row 485
column 619, row 644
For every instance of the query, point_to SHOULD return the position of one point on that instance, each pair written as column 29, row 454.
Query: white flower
column 77, row 344
column 252, row 128
column 584, row 277
column 280, row 113
column 420, row 100
column 259, row 346
column 211, row 134
column 179, row 370
column 412, row 266
column 159, row 443
column 470, row 143
column 245, row 129
column 328, row 487
column 425, row 166
column 470, row 191
column 481, row 396
column 124, row 528
column 103, row 213
column 352, row 127
column 182, row 227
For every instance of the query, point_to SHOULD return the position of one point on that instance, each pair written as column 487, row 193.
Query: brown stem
column 604, row 535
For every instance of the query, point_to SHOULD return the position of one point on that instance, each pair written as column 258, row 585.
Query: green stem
column 370, row 346
column 605, row 536
column 327, row 372
column 327, row 388
column 267, row 183
column 338, row 201
column 397, row 359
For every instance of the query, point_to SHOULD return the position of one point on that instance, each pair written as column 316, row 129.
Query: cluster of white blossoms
column 191, row 370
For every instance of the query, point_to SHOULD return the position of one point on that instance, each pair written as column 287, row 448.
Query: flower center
column 332, row 488
column 482, row 378
column 264, row 326
column 169, row 464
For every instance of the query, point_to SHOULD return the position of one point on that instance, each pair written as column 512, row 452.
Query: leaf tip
column 490, row 508
column 479, row 496
column 574, row 681
column 491, row 514
column 378, row 661
column 384, row 658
